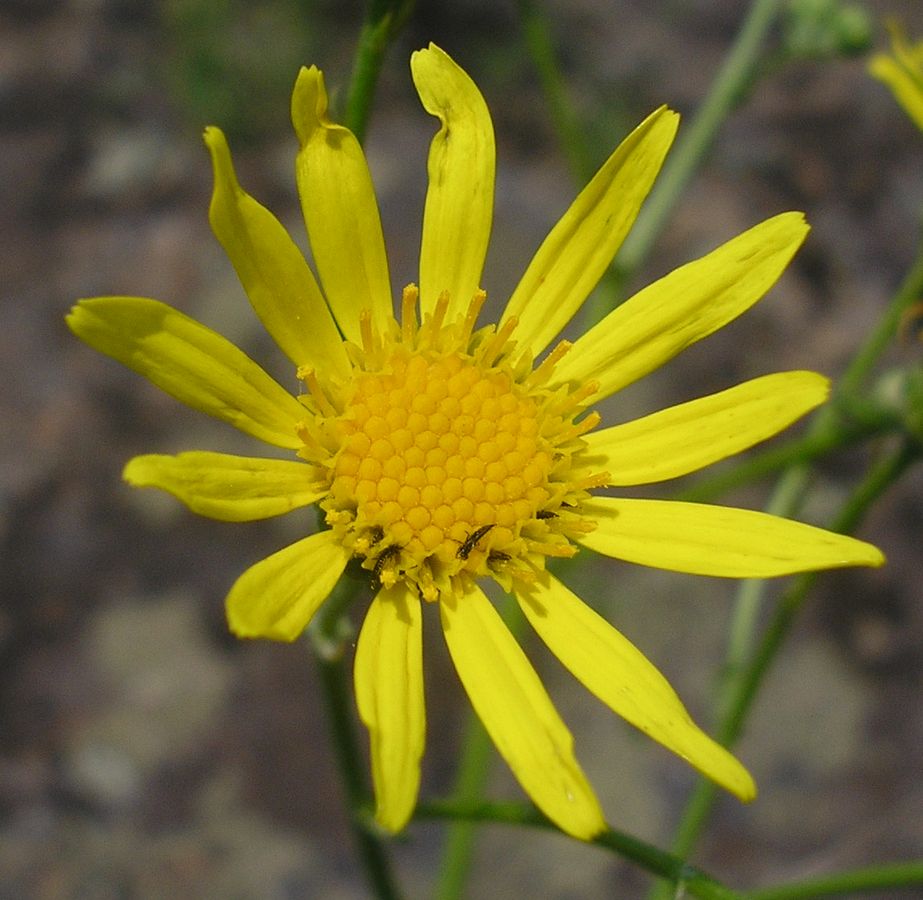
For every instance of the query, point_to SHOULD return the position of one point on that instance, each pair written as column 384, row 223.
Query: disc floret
column 446, row 456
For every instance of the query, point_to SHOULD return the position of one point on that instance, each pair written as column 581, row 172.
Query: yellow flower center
column 446, row 456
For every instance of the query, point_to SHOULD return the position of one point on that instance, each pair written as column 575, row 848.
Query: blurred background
column 144, row 752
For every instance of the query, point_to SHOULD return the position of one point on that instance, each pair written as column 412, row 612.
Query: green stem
column 888, row 325
column 736, row 75
column 785, row 498
column 876, row 482
column 740, row 682
column 834, row 435
column 689, row 879
column 330, row 629
column 329, row 635
column 383, row 20
column 473, row 772
column 742, row 688
column 873, row 878
column 561, row 110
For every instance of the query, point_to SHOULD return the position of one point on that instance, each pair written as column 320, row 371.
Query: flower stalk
column 741, row 680
column 370, row 849
column 693, row 881
column 742, row 686
column 736, row 76
column 383, row 20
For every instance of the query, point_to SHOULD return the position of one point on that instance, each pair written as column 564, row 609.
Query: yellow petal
column 230, row 488
column 340, row 211
column 460, row 199
column 906, row 87
column 389, row 694
column 191, row 363
column 683, row 307
column 281, row 287
column 693, row 435
column 518, row 714
column 579, row 249
column 902, row 72
column 277, row 597
column 717, row 540
column 613, row 669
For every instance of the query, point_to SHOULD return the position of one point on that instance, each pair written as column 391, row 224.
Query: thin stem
column 817, row 442
column 328, row 636
column 873, row 878
column 330, row 629
column 473, row 772
column 691, row 880
column 741, row 683
column 888, row 325
column 880, row 477
column 829, row 431
column 742, row 689
column 371, row 852
column 383, row 20
column 750, row 592
column 735, row 77
column 561, row 110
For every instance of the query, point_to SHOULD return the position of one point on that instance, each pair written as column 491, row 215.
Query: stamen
column 365, row 329
column 409, row 299
column 309, row 377
column 600, row 479
column 588, row 423
column 547, row 548
column 574, row 399
column 474, row 310
column 442, row 307
column 495, row 346
column 312, row 450
column 543, row 371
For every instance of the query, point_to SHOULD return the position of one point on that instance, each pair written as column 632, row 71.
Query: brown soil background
column 144, row 753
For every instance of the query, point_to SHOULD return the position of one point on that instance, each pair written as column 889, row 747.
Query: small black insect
column 383, row 557
column 471, row 541
column 546, row 514
column 497, row 556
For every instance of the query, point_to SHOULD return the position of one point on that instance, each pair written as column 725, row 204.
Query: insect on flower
column 420, row 424
column 471, row 541
column 388, row 553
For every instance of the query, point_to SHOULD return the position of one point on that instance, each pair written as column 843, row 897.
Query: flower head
column 902, row 72
column 443, row 452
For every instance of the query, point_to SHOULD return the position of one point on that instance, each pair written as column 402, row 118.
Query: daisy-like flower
column 441, row 454
column 902, row 72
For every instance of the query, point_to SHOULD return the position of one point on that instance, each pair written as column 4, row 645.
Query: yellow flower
column 441, row 455
column 902, row 72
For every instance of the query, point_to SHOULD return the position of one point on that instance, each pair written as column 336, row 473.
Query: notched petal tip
column 446, row 89
column 90, row 315
column 667, row 113
column 795, row 223
column 212, row 135
column 309, row 103
column 73, row 317
column 428, row 60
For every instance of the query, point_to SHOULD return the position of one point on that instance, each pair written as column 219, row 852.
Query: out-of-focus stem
column 383, row 20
